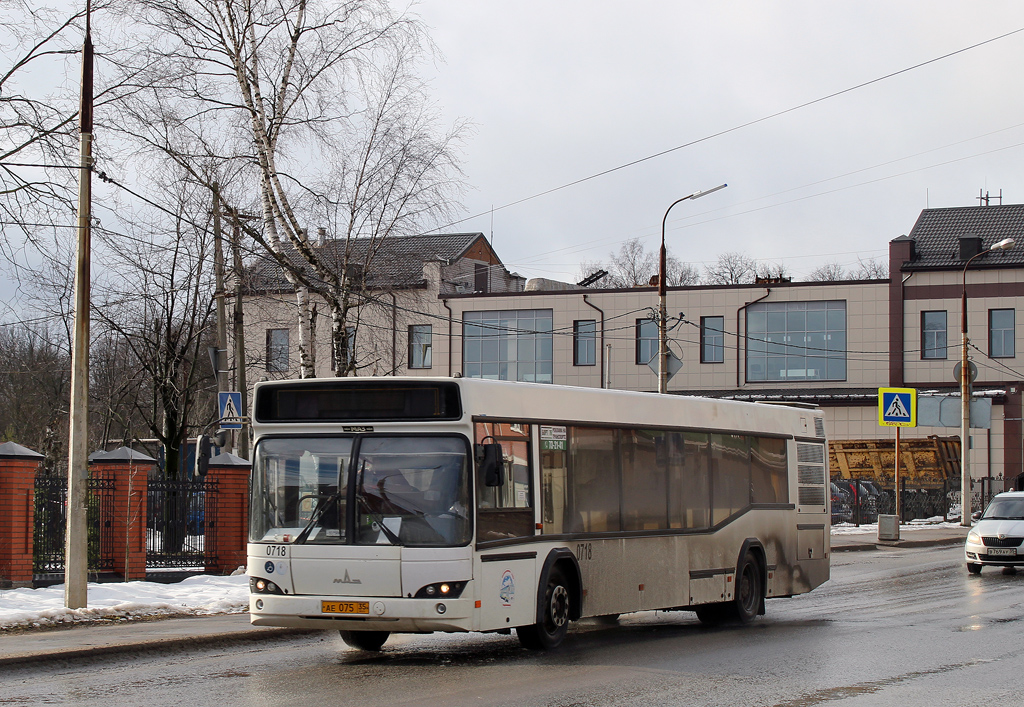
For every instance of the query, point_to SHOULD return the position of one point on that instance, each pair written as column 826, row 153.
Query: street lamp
column 662, row 306
column 965, row 397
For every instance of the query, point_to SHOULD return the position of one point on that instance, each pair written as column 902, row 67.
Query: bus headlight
column 445, row 590
column 258, row 585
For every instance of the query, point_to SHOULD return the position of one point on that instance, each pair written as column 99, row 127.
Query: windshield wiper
column 377, row 518
column 300, row 539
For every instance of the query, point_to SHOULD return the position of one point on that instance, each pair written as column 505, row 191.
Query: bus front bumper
column 394, row 614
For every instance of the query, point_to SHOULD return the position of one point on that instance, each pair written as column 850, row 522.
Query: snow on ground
column 112, row 601
column 872, row 528
column 203, row 594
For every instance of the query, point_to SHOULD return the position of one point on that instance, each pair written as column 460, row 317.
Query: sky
column 560, row 91
column 195, row 596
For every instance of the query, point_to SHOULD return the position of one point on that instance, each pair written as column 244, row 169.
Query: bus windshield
column 409, row 490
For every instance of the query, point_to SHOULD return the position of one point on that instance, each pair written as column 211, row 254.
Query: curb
column 890, row 544
column 151, row 644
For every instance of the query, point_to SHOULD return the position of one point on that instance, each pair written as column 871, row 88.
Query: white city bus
column 383, row 505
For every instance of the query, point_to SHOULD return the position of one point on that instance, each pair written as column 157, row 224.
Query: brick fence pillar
column 130, row 472
column 18, row 467
column 227, row 530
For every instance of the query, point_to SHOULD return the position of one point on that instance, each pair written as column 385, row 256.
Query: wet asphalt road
column 897, row 627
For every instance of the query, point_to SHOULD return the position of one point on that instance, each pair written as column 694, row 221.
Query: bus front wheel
column 365, row 640
column 550, row 631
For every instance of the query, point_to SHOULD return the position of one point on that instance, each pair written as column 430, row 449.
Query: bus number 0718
column 584, row 551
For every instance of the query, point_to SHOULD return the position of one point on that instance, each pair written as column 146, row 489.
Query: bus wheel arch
column 751, row 577
column 559, row 600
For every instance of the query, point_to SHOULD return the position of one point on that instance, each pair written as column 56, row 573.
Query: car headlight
column 973, row 538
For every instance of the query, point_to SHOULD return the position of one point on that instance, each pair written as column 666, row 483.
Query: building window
column 712, row 339
column 933, row 335
column 350, row 335
column 1001, row 340
column 508, row 345
column 419, row 345
column 480, row 278
column 584, row 337
column 796, row 341
column 646, row 341
column 277, row 350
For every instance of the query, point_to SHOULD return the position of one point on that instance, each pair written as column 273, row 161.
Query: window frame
column 940, row 353
column 705, row 343
column 278, row 355
column 580, row 339
column 786, row 341
column 415, row 334
column 653, row 342
column 1012, row 334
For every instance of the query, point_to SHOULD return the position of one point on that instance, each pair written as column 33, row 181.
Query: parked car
column 840, row 504
column 997, row 536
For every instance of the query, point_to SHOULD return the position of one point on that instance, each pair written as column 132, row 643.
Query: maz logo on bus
column 584, row 551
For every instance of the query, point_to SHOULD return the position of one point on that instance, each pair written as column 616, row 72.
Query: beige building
column 830, row 344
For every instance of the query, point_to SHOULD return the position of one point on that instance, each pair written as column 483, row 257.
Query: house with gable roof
column 394, row 326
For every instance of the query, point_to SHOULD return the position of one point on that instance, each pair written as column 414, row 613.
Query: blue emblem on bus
column 269, row 567
column 507, row 592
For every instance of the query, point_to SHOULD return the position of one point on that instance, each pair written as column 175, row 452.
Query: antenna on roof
column 492, row 226
column 983, row 197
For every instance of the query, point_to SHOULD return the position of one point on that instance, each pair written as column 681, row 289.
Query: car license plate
column 345, row 607
column 1002, row 551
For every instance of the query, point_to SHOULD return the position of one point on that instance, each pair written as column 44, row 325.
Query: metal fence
column 180, row 521
column 862, row 501
column 51, row 500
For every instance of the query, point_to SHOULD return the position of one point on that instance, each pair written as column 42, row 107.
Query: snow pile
column 204, row 594
column 872, row 528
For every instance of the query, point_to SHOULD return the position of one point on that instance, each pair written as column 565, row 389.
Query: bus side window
column 506, row 511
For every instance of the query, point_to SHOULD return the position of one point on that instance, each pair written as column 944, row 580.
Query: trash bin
column 888, row 527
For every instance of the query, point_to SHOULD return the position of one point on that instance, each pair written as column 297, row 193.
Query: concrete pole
column 965, row 410
column 76, row 540
column 662, row 305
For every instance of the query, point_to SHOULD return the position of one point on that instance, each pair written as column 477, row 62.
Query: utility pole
column 239, row 330
column 76, row 540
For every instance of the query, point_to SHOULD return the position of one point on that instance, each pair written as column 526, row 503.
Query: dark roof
column 397, row 262
column 937, row 232
column 13, row 450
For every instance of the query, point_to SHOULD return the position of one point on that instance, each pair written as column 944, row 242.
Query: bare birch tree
column 317, row 106
column 635, row 266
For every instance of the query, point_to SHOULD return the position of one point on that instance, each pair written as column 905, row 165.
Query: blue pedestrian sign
column 897, row 407
column 230, row 405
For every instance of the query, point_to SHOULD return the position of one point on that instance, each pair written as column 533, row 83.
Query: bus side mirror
column 203, row 450
column 489, row 461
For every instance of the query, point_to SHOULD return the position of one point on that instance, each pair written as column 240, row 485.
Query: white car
column 996, row 538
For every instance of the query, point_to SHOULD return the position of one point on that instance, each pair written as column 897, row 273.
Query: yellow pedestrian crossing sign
column 897, row 407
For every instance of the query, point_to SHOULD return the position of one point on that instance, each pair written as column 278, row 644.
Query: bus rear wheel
column 365, row 640
column 749, row 591
column 550, row 631
column 746, row 605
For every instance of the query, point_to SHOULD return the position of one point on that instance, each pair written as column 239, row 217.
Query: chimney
column 321, row 236
column 970, row 246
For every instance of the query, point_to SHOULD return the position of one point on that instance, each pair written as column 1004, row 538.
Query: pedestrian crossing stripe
column 897, row 407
